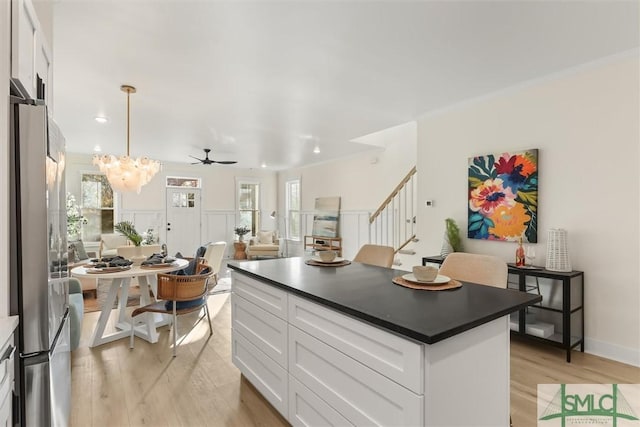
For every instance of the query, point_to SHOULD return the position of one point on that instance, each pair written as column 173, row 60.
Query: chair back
column 214, row 254
column 183, row 288
column 381, row 256
column 475, row 268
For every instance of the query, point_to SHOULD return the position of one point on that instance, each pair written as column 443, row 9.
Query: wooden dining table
column 121, row 281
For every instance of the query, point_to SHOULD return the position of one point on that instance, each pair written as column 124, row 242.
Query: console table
column 320, row 243
column 561, row 309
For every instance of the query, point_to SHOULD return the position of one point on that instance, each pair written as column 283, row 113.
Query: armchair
column 265, row 243
column 110, row 242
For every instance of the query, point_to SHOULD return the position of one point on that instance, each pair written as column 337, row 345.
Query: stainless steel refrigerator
column 39, row 286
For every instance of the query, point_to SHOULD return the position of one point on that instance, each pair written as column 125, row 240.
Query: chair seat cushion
column 260, row 247
column 181, row 305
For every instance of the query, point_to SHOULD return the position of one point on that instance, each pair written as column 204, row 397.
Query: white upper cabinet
column 30, row 52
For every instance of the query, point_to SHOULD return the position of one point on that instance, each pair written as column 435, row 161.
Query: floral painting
column 503, row 196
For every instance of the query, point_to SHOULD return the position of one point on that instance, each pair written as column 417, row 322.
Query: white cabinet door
column 308, row 410
column 267, row 297
column 395, row 357
column 24, row 39
column 262, row 329
column 359, row 394
column 266, row 375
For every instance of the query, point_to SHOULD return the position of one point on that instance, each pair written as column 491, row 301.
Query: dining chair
column 475, row 268
column 379, row 255
column 179, row 295
column 214, row 254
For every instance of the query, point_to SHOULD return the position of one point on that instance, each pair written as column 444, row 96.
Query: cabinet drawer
column 262, row 329
column 306, row 409
column 394, row 357
column 265, row 374
column 361, row 395
column 264, row 296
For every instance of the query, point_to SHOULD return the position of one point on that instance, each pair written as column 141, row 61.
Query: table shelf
column 320, row 243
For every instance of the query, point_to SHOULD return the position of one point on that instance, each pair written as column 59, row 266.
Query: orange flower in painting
column 509, row 221
column 489, row 195
column 528, row 167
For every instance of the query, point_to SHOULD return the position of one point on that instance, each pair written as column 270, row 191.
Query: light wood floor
column 115, row 386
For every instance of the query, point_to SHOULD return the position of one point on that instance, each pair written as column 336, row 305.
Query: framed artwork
column 503, row 196
column 325, row 220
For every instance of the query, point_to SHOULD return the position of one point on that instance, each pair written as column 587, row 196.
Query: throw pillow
column 265, row 237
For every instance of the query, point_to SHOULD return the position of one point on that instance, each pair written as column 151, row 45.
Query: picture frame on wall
column 503, row 196
column 325, row 219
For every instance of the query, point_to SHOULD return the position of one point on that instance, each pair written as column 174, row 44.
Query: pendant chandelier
column 124, row 173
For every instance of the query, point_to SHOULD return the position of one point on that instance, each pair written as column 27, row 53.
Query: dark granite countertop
column 367, row 292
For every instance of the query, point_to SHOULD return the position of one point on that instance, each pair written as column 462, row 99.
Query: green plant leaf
column 127, row 229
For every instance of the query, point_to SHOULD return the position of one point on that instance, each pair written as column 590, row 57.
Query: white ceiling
column 266, row 81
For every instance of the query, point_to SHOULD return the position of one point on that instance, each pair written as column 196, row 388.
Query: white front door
column 183, row 220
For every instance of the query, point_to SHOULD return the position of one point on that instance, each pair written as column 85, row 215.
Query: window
column 293, row 209
column 179, row 181
column 249, row 205
column 97, row 206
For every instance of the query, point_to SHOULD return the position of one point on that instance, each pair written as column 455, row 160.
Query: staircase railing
column 394, row 222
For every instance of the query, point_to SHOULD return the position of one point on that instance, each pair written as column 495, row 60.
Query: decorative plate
column 105, row 270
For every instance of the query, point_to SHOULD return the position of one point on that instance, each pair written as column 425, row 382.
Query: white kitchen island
column 345, row 346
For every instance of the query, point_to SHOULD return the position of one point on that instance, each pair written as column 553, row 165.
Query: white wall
column 5, row 63
column 218, row 195
column 586, row 125
column 362, row 181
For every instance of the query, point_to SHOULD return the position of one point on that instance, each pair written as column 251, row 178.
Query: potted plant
column 127, row 229
column 241, row 231
column 452, row 241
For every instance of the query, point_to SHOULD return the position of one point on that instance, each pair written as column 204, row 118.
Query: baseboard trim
column 630, row 356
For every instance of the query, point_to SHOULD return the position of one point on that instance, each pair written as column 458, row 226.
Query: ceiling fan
column 208, row 161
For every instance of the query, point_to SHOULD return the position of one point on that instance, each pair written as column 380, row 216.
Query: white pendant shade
column 124, row 173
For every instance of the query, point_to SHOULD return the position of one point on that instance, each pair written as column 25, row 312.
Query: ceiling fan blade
column 225, row 162
column 200, row 160
column 196, row 163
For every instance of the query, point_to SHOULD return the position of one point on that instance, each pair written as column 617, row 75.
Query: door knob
column 168, row 228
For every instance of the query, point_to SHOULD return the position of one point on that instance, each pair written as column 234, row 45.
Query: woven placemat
column 452, row 284
column 325, row 264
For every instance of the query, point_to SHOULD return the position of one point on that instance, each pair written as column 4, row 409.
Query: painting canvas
column 325, row 220
column 503, row 196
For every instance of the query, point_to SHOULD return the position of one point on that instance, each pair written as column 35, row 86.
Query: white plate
column 334, row 261
column 440, row 279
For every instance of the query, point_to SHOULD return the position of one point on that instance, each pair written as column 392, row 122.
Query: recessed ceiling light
column 264, row 165
column 101, row 119
column 316, row 149
column 97, row 149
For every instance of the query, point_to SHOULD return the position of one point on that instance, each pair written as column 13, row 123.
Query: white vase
column 137, row 257
column 446, row 246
